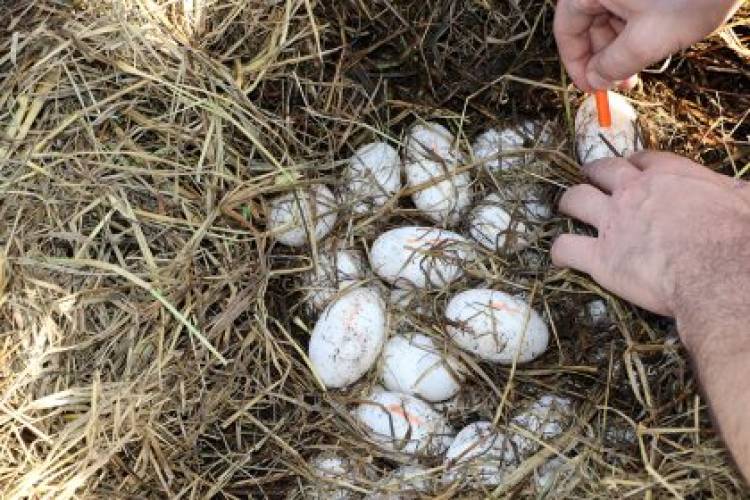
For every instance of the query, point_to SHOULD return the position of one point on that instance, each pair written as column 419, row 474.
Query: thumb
column 625, row 56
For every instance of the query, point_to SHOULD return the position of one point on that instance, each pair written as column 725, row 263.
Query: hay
column 152, row 336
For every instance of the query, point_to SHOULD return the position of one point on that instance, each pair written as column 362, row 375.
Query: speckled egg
column 420, row 257
column 348, row 337
column 496, row 326
column 299, row 215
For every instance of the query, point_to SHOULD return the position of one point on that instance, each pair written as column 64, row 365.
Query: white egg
column 597, row 313
column 496, row 326
column 541, row 133
column 413, row 477
column 414, row 364
column 294, row 214
column 621, row 139
column 620, row 435
column 403, row 423
column 479, row 453
column 329, row 469
column 445, row 200
column 498, row 149
column 546, row 418
column 372, row 177
column 431, row 141
column 406, row 300
column 494, row 228
column 553, row 473
column 526, row 201
column 405, row 483
column 420, row 257
column 335, row 269
column 348, row 337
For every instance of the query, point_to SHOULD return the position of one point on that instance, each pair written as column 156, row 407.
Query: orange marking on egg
column 399, row 410
column 499, row 305
column 351, row 316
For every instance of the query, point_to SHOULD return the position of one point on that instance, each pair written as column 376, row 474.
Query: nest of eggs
column 159, row 302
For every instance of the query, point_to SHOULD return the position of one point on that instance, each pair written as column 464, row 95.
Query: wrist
column 712, row 316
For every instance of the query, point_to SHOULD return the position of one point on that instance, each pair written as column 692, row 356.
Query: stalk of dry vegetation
column 151, row 332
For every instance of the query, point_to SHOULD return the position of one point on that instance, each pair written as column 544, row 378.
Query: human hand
column 603, row 42
column 670, row 232
column 673, row 237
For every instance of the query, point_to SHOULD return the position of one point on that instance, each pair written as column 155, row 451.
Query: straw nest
column 153, row 335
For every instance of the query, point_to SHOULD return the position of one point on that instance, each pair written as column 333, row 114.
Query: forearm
column 715, row 329
column 724, row 375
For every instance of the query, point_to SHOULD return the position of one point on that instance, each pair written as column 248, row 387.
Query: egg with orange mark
column 594, row 142
column 402, row 423
column 433, row 142
column 348, row 337
column 420, row 257
column 496, row 326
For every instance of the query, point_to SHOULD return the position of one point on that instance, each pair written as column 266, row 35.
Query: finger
column 675, row 164
column 617, row 24
column 628, row 84
column 575, row 251
column 611, row 174
column 623, row 58
column 601, row 33
column 585, row 203
column 573, row 19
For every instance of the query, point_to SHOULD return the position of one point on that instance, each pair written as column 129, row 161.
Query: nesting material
column 496, row 326
column 621, row 139
column 372, row 177
column 348, row 337
column 402, row 423
column 302, row 214
column 414, row 364
column 420, row 257
column 159, row 353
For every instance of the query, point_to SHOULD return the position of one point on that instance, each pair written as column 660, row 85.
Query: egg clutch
column 358, row 294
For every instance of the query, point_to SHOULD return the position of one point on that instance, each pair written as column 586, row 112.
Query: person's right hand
column 672, row 235
column 604, row 42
